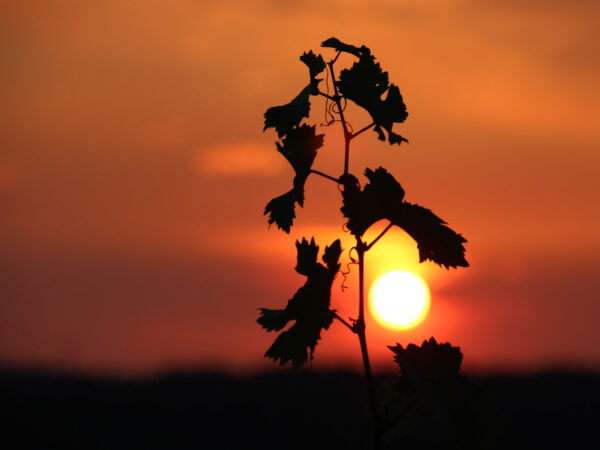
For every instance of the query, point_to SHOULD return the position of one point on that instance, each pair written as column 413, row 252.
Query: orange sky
column 133, row 239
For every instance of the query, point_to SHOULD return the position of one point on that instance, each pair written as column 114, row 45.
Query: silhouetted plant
column 368, row 86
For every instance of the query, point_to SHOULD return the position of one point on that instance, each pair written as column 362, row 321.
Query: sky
column 134, row 174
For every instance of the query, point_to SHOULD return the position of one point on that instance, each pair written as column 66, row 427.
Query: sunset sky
column 134, row 174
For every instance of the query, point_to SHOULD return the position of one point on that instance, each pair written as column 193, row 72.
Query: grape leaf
column 338, row 45
column 331, row 255
column 383, row 198
column 365, row 83
column 436, row 242
column 445, row 400
column 281, row 210
column 285, row 117
column 299, row 147
column 306, row 256
column 429, row 362
column 309, row 307
column 315, row 65
column 373, row 203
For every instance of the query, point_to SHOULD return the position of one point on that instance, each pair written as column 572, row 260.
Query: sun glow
column 399, row 300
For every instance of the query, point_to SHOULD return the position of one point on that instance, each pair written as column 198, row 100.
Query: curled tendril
column 353, row 261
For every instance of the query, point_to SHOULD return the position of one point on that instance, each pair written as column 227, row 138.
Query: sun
column 399, row 300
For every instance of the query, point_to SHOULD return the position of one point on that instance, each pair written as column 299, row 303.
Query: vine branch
column 324, row 175
column 386, row 229
column 337, row 99
column 330, row 97
column 360, row 329
column 353, row 135
column 336, row 316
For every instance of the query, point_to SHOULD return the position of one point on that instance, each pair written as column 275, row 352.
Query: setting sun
column 399, row 300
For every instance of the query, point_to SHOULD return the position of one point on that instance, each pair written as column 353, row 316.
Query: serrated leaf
column 365, row 207
column 383, row 198
column 395, row 138
column 380, row 134
column 300, row 147
column 306, row 255
column 285, row 117
column 309, row 308
column 436, row 242
column 365, row 83
column 429, row 362
column 331, row 255
column 443, row 400
column 316, row 65
column 314, row 62
column 281, row 210
column 338, row 45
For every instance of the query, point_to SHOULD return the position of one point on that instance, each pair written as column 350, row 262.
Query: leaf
column 365, row 83
column 375, row 202
column 338, row 45
column 315, row 65
column 281, row 210
column 309, row 307
column 431, row 362
column 285, row 117
column 300, row 147
column 383, row 198
column 380, row 134
column 436, row 242
column 331, row 256
column 306, row 255
column 395, row 138
column 444, row 400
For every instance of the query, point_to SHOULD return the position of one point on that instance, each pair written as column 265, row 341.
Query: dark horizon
column 194, row 410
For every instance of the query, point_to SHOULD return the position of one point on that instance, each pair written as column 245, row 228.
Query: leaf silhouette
column 285, row 117
column 446, row 401
column 383, row 198
column 331, row 256
column 281, row 210
column 436, row 242
column 306, row 256
column 299, row 147
column 430, row 363
column 315, row 65
column 309, row 307
column 338, row 45
column 379, row 197
column 365, row 83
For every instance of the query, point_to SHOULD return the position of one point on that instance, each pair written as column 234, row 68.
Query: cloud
column 241, row 159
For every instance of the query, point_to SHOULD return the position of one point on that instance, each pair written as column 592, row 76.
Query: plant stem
column 347, row 134
column 390, row 225
column 326, row 95
column 361, row 130
column 324, row 175
column 336, row 316
column 360, row 329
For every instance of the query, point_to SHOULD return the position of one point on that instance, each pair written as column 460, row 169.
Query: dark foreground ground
column 282, row 410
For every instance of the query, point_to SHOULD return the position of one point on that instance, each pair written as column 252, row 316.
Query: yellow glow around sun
column 399, row 300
